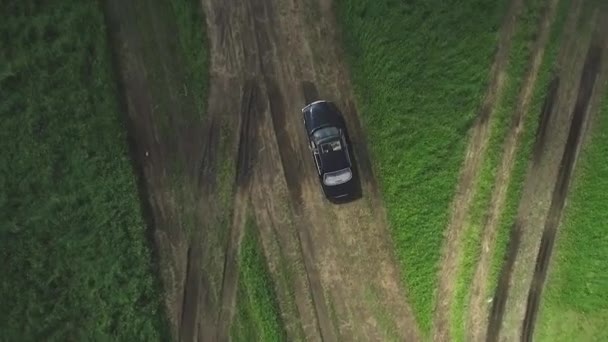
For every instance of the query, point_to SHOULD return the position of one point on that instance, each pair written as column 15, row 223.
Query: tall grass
column 258, row 317
column 575, row 302
column 75, row 262
column 419, row 69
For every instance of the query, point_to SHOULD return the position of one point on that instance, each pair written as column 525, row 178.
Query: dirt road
column 592, row 85
column 522, row 278
column 333, row 266
column 172, row 157
column 468, row 178
column 349, row 274
column 478, row 308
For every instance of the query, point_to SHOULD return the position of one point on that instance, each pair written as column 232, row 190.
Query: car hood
column 320, row 115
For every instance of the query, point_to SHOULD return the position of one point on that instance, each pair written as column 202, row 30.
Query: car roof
column 334, row 157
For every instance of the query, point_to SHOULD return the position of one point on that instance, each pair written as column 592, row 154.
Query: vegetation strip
column 257, row 317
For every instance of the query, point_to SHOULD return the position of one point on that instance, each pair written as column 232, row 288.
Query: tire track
column 278, row 229
column 291, row 167
column 168, row 144
column 500, row 296
column 568, row 162
column 263, row 13
column 509, row 301
column 477, row 309
column 251, row 107
column 465, row 189
column 545, row 116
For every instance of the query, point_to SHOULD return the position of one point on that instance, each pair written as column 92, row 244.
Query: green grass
column 75, row 261
column 258, row 317
column 575, row 302
column 419, row 70
column 526, row 33
column 524, row 149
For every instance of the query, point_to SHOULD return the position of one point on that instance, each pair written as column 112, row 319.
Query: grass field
column 76, row 264
column 257, row 317
column 419, row 70
column 527, row 30
column 575, row 302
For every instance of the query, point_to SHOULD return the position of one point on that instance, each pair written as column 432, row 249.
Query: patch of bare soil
column 516, row 299
column 478, row 309
column 468, row 178
column 349, row 277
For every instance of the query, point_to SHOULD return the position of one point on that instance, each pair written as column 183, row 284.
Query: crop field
column 158, row 184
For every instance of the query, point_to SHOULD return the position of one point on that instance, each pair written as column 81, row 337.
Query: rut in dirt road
column 468, row 177
column 477, row 309
column 500, row 297
column 251, row 107
column 291, row 168
column 545, row 116
column 567, row 165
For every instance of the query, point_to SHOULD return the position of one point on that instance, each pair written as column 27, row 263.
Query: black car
column 328, row 142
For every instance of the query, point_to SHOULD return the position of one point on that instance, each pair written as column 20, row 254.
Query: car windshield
column 337, row 177
column 325, row 133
